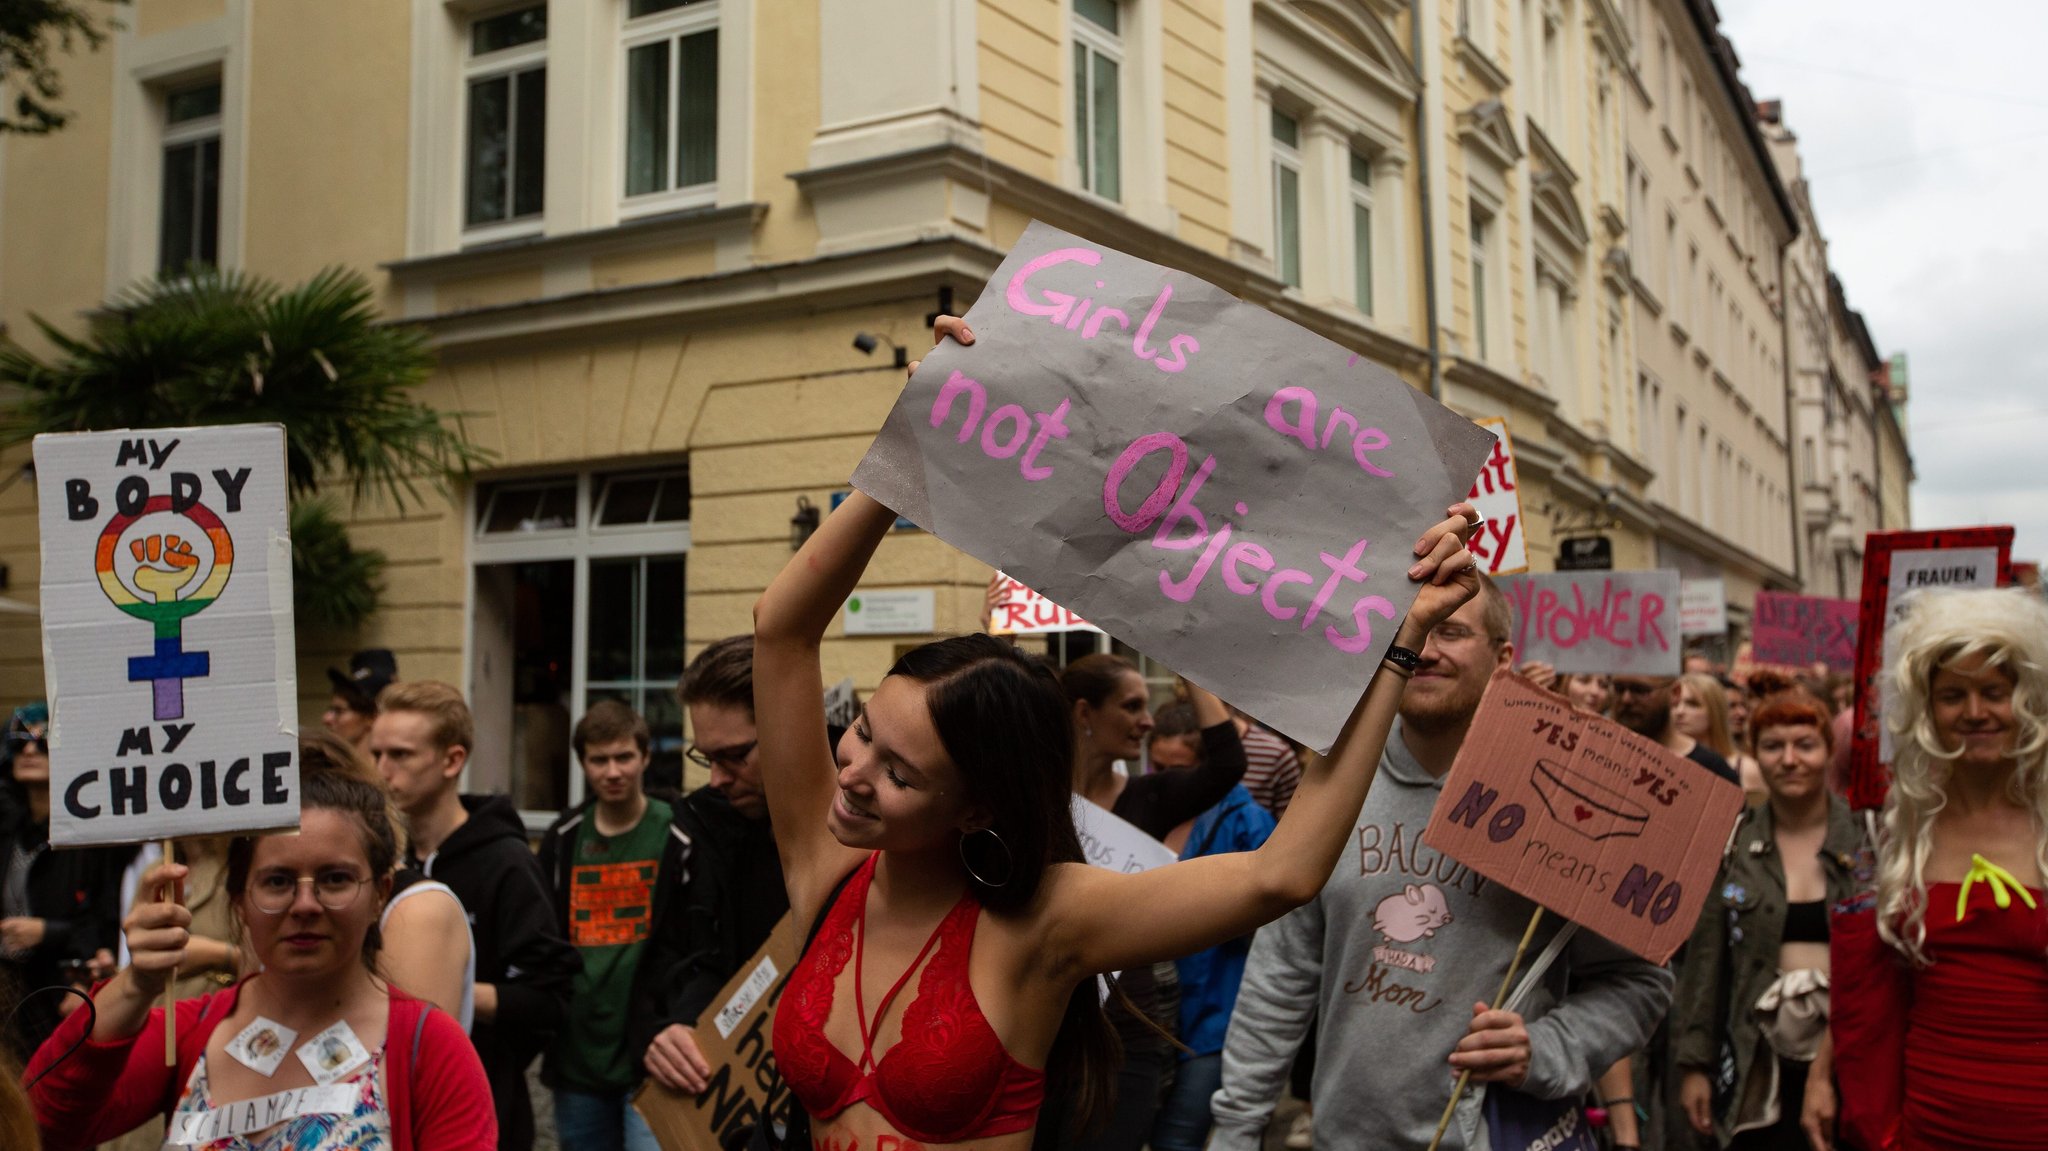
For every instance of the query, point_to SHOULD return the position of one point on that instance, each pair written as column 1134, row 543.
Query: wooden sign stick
column 1500, row 997
column 171, row 987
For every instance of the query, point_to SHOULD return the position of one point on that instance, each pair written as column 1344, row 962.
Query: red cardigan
column 435, row 1089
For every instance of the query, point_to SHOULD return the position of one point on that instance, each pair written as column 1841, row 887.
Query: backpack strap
column 419, row 1029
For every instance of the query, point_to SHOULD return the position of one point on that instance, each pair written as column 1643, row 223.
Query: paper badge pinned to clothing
column 331, row 1055
column 261, row 1046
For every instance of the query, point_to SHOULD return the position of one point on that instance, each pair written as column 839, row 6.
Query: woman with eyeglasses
column 57, row 908
column 316, row 1052
column 950, row 989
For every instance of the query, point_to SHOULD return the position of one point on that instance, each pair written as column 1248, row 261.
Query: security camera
column 866, row 343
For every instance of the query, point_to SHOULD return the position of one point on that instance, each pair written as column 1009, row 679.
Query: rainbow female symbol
column 164, row 566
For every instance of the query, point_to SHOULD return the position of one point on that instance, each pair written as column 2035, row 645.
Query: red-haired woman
column 1752, row 1001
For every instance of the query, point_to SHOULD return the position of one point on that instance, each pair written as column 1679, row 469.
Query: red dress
column 1955, row 1054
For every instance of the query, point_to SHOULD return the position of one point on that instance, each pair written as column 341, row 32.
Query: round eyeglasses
column 274, row 892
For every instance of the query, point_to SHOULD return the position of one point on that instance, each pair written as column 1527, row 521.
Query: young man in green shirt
column 604, row 858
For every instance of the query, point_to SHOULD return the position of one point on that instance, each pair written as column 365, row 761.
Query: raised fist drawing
column 163, row 583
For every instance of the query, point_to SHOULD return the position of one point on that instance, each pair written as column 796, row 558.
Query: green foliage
column 28, row 29
column 225, row 347
column 333, row 584
column 215, row 347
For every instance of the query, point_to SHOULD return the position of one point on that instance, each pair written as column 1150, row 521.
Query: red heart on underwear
column 1583, row 812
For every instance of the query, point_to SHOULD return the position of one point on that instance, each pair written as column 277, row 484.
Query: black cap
column 369, row 673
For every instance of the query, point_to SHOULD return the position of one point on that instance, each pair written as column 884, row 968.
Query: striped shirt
column 1272, row 770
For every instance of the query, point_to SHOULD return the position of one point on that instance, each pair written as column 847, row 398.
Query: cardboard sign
column 1585, row 817
column 1895, row 563
column 1108, row 840
column 1702, row 607
column 1798, row 631
column 1220, row 488
column 167, row 633
column 746, row 1086
column 1503, row 545
column 1611, row 623
column 1020, row 611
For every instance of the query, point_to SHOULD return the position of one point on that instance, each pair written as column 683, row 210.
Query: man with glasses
column 715, row 909
column 476, row 844
column 605, row 859
column 1404, row 949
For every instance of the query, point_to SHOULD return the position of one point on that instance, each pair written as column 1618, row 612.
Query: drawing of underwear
column 1587, row 806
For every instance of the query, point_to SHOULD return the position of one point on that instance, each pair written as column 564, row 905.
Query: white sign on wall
column 907, row 612
column 1702, row 607
column 167, row 633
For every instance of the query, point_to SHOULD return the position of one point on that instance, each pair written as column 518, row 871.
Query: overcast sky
column 1924, row 131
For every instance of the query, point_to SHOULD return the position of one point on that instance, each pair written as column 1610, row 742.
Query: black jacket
column 715, row 902
column 519, row 949
column 77, row 895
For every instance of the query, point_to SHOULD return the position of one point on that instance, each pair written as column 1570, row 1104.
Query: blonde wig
column 2008, row 627
column 1714, row 699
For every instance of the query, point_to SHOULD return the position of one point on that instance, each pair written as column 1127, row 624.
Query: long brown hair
column 17, row 1117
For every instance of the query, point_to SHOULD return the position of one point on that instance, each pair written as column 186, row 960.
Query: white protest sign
column 1602, row 622
column 1108, row 840
column 1020, row 611
column 167, row 633
column 1502, row 544
column 1702, row 607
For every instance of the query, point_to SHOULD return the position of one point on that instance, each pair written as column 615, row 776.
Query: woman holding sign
column 315, row 1053
column 1752, row 1002
column 914, row 1016
column 1956, row 944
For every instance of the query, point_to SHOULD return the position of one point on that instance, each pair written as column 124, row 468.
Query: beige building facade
column 643, row 235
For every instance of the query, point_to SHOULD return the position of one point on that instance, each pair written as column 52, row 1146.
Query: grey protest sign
column 1217, row 486
column 1619, row 623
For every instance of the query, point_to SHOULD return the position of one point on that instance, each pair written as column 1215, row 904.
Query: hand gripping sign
column 1221, row 488
column 1584, row 817
column 167, row 633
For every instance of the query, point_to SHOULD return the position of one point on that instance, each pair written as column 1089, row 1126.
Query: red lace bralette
column 948, row 1078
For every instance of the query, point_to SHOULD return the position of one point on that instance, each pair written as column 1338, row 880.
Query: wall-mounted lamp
column 803, row 523
column 867, row 345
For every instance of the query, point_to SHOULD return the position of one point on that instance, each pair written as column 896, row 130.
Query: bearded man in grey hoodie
column 1404, row 947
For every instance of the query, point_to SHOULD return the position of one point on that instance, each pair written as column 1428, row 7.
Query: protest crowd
column 1276, row 952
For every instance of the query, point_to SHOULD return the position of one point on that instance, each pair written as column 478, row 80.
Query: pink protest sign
column 1020, row 611
column 1608, row 622
column 1589, row 819
column 1502, row 546
column 1800, row 631
column 1221, row 488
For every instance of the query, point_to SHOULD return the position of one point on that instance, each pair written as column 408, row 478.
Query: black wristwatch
column 1404, row 658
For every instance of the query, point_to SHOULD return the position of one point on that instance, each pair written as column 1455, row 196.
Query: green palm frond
column 333, row 583
column 219, row 347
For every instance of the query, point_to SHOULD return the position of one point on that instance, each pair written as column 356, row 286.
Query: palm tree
column 225, row 347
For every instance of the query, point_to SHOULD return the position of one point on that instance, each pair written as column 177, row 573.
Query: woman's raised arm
column 1099, row 920
column 798, row 767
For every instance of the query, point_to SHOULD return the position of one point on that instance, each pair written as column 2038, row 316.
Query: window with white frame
column 1098, row 104
column 1481, row 238
column 505, row 145
column 579, row 596
column 188, row 220
column 671, row 102
column 1361, row 231
column 1287, row 198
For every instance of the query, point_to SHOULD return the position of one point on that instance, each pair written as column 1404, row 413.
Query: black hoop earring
column 1010, row 861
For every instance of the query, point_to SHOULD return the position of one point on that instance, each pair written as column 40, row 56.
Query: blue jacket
column 1209, row 979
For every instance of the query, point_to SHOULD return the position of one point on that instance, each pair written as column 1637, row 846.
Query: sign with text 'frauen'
column 1225, row 490
column 167, row 633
